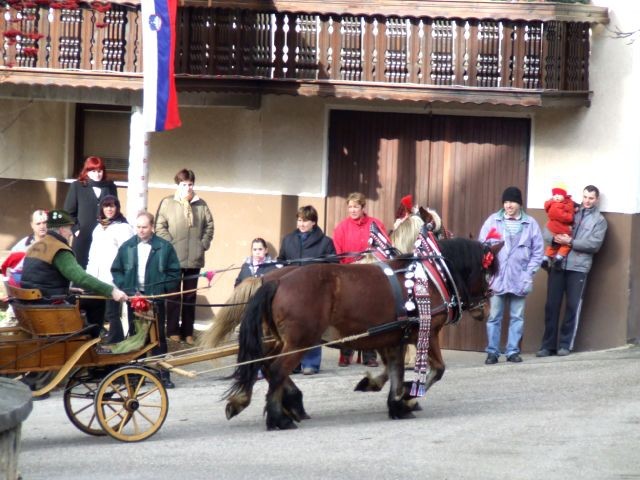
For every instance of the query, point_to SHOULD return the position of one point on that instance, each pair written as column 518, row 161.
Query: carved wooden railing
column 71, row 36
column 219, row 42
column 270, row 46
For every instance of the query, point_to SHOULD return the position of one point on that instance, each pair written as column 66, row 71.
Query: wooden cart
column 105, row 394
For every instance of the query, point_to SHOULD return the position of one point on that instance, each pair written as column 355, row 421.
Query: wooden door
column 456, row 165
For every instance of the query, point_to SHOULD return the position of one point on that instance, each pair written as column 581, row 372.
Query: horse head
column 472, row 265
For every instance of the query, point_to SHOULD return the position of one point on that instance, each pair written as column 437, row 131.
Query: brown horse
column 327, row 302
column 229, row 316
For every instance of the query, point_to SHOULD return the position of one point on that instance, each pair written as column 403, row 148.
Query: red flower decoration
column 487, row 260
column 139, row 304
column 12, row 34
column 101, row 7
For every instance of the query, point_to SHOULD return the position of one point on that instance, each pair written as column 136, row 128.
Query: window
column 103, row 131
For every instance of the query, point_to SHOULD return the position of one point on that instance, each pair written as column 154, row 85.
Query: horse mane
column 405, row 235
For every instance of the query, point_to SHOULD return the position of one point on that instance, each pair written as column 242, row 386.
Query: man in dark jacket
column 305, row 245
column 149, row 265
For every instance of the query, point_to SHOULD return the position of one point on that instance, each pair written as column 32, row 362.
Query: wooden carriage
column 103, row 391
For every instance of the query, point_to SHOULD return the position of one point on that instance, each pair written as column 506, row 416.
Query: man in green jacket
column 148, row 265
column 51, row 267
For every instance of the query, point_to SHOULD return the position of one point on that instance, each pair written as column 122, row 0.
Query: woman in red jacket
column 352, row 235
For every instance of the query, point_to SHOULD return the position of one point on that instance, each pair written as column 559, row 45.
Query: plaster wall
column 278, row 149
column 36, row 139
column 599, row 145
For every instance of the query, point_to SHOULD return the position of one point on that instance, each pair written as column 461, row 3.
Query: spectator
column 50, row 266
column 110, row 233
column 307, row 243
column 519, row 259
column 352, row 235
column 259, row 263
column 147, row 264
column 589, row 229
column 560, row 210
column 39, row 227
column 83, row 201
column 184, row 220
column 405, row 209
column 12, row 266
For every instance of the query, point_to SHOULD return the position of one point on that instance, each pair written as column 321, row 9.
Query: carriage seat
column 42, row 318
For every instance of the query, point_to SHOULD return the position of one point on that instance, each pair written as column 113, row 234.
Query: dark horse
column 326, row 302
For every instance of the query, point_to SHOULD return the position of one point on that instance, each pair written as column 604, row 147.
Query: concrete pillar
column 15, row 406
column 138, row 190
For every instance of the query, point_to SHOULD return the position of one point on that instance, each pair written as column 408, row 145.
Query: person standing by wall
column 519, row 259
column 110, row 233
column 259, row 263
column 148, row 265
column 308, row 242
column 184, row 219
column 352, row 235
column 83, row 201
column 569, row 281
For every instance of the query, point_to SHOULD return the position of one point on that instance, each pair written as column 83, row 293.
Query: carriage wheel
column 79, row 395
column 131, row 404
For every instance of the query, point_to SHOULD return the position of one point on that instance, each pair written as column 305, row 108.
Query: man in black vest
column 51, row 267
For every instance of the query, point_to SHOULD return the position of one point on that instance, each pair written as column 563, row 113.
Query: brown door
column 456, row 165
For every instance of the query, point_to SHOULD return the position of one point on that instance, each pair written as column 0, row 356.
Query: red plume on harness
column 493, row 235
column 139, row 304
column 487, row 260
column 407, row 202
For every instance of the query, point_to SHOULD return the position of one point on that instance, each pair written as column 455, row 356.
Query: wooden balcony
column 523, row 53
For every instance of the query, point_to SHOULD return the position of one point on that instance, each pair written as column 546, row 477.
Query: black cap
column 512, row 194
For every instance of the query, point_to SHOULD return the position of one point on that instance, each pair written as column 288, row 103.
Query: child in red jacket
column 560, row 209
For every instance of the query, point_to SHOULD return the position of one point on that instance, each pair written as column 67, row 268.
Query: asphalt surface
column 550, row 418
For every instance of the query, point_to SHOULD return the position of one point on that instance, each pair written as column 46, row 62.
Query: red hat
column 407, row 202
column 559, row 191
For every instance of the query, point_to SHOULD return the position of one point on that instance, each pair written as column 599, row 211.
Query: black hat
column 59, row 218
column 512, row 194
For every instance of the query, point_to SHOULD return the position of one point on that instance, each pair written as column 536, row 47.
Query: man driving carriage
column 51, row 267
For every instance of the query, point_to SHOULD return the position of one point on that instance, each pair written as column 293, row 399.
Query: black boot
column 165, row 378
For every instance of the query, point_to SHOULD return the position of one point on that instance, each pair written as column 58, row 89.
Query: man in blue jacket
column 589, row 229
column 519, row 260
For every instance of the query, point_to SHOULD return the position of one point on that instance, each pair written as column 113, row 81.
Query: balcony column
column 138, row 191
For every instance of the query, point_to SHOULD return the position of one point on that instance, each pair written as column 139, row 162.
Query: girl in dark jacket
column 308, row 244
column 259, row 263
column 83, row 204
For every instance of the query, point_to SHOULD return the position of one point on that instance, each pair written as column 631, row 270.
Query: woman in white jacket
column 111, row 232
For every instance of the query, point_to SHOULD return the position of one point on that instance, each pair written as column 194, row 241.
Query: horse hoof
column 363, row 385
column 402, row 416
column 416, row 408
column 230, row 411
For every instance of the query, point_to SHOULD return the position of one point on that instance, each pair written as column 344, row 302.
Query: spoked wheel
column 131, row 404
column 79, row 396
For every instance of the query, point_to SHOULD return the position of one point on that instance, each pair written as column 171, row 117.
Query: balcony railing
column 521, row 55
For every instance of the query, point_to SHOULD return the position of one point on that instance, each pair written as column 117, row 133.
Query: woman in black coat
column 305, row 245
column 83, row 204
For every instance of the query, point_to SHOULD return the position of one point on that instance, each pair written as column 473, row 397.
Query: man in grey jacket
column 589, row 229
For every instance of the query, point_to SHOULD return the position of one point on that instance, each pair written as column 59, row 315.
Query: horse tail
column 250, row 340
column 229, row 316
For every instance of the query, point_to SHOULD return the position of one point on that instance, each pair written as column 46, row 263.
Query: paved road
column 552, row 418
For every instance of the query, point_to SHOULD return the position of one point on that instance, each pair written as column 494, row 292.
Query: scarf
column 186, row 206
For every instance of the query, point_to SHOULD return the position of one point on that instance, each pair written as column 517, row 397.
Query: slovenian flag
column 158, row 49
